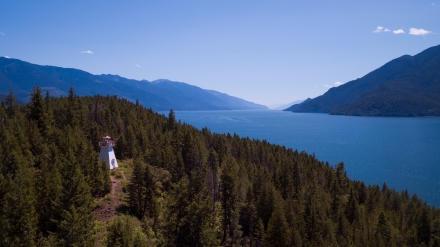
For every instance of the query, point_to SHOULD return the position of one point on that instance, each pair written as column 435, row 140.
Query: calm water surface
column 403, row 152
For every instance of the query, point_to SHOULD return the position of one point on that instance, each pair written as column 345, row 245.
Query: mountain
column 281, row 107
column 160, row 95
column 405, row 86
column 297, row 105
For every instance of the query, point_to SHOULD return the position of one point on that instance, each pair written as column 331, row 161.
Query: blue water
column 403, row 152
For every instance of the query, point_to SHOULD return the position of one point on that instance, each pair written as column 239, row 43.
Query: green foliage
column 187, row 187
column 278, row 231
column 19, row 214
column 120, row 232
column 141, row 190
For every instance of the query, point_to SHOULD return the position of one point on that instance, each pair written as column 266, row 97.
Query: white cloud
column 6, row 57
column 87, row 52
column 137, row 65
column 398, row 31
column 432, row 4
column 2, row 33
column 336, row 84
column 380, row 29
column 421, row 31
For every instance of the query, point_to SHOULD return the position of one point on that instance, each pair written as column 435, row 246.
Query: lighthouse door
column 113, row 163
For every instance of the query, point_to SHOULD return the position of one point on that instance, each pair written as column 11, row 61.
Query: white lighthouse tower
column 107, row 152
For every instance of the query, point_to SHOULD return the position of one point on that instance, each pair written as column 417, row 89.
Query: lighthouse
column 107, row 152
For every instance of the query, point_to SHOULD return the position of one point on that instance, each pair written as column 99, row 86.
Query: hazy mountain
column 405, row 86
column 281, row 107
column 297, row 105
column 22, row 77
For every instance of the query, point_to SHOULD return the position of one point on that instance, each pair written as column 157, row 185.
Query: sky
column 267, row 52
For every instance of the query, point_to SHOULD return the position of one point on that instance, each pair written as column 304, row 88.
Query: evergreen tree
column 120, row 232
column 73, row 118
column 139, row 239
column 278, row 232
column 212, row 182
column 50, row 200
column 176, row 223
column 75, row 227
column 171, row 120
column 229, row 199
column 141, row 190
column 11, row 105
column 260, row 234
column 383, row 231
column 19, row 215
column 37, row 108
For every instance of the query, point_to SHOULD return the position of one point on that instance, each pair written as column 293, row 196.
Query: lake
column 403, row 152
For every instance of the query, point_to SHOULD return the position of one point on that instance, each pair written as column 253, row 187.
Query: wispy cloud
column 87, row 52
column 137, row 65
column 421, row 31
column 380, row 29
column 6, row 56
column 2, row 33
column 398, row 31
column 432, row 4
column 336, row 84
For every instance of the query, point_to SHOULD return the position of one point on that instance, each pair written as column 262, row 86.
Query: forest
column 186, row 187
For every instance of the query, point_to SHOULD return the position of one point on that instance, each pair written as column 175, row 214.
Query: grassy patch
column 108, row 197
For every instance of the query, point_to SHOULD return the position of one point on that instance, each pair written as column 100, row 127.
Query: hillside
column 159, row 95
column 406, row 86
column 413, row 93
column 187, row 187
column 297, row 105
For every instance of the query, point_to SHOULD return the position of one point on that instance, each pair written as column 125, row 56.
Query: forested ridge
column 187, row 187
column 408, row 86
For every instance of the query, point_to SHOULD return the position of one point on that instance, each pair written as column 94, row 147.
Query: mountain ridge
column 161, row 94
column 398, row 88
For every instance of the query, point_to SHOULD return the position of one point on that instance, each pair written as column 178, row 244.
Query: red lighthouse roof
column 106, row 137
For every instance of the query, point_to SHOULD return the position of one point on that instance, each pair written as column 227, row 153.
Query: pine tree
column 229, row 200
column 141, row 190
column 120, row 232
column 199, row 212
column 176, row 225
column 278, row 232
column 383, row 230
column 171, row 120
column 139, row 239
column 37, row 108
column 73, row 118
column 75, row 227
column 49, row 209
column 19, row 215
column 11, row 105
column 212, row 182
column 260, row 234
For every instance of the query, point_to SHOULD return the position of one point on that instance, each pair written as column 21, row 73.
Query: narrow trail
column 108, row 208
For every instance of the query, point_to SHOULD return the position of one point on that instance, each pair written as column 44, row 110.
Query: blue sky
column 267, row 52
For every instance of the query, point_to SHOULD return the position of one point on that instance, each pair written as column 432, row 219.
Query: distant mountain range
column 405, row 86
column 296, row 105
column 160, row 95
column 284, row 106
